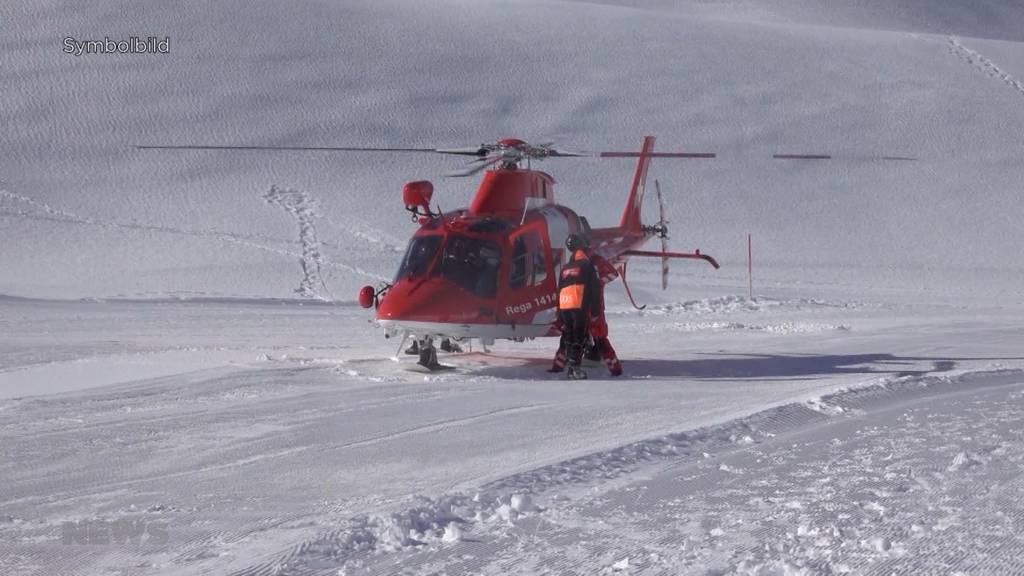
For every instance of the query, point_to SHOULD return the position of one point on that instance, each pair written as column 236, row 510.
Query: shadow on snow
column 724, row 366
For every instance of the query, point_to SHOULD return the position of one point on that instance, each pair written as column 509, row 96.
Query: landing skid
column 420, row 369
column 447, row 345
column 426, row 351
column 428, row 356
column 622, row 273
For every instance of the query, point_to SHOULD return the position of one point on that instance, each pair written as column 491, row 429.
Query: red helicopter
column 490, row 271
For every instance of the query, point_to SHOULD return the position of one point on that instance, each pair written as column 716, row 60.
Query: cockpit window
column 489, row 226
column 472, row 264
column 418, row 257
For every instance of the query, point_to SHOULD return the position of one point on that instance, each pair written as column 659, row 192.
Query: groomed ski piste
column 187, row 385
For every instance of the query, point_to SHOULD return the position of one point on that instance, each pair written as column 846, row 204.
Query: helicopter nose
column 432, row 300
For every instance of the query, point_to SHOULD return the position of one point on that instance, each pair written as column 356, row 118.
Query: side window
column 529, row 262
column 519, row 270
column 540, row 270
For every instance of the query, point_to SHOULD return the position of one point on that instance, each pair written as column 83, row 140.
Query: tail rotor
column 661, row 229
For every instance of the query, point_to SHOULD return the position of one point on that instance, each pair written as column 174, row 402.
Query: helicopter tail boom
column 631, row 214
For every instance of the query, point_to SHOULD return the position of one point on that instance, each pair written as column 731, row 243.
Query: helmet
column 576, row 242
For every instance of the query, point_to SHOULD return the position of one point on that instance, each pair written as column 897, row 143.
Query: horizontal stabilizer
column 687, row 255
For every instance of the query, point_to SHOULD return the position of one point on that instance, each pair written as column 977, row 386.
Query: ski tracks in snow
column 296, row 203
column 984, row 64
column 44, row 208
column 39, row 210
column 43, row 211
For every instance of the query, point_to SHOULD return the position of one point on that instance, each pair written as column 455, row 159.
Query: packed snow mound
column 84, row 214
column 741, row 304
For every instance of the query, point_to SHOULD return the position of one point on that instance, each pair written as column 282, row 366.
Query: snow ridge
column 734, row 304
column 781, row 328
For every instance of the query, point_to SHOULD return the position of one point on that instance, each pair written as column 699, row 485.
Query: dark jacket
column 579, row 287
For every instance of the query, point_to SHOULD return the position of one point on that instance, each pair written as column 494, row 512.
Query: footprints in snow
column 304, row 210
column 984, row 64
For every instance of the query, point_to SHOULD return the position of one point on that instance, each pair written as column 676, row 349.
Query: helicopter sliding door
column 529, row 287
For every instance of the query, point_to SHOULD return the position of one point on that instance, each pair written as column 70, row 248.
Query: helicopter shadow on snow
column 726, row 366
column 736, row 366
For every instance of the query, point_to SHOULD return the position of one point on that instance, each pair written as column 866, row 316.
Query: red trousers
column 599, row 333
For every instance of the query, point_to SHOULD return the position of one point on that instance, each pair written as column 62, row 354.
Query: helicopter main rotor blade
column 280, row 148
column 658, row 155
column 485, row 152
column 567, row 154
column 842, row 157
column 481, row 150
column 475, row 166
column 474, row 151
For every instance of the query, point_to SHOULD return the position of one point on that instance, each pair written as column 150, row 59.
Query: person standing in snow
column 602, row 346
column 598, row 346
column 578, row 291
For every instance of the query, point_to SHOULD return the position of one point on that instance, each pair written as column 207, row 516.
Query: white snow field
column 187, row 386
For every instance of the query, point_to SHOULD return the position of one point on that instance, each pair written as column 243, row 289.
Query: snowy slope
column 86, row 215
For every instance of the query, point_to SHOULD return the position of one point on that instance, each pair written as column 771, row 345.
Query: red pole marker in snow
column 750, row 266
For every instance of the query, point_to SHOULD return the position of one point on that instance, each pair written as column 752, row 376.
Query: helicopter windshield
column 418, row 257
column 472, row 264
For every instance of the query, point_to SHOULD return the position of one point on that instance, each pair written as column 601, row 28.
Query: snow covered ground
column 186, row 386
column 276, row 437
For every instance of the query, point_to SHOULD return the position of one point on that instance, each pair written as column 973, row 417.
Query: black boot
column 576, row 373
column 448, row 346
